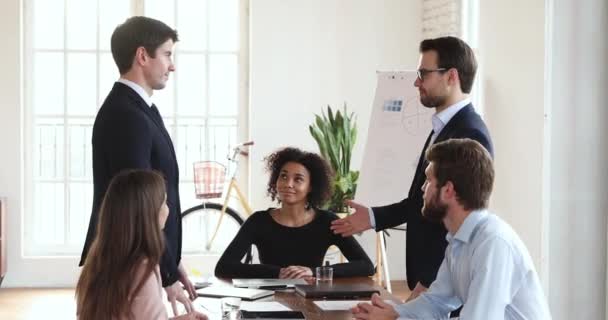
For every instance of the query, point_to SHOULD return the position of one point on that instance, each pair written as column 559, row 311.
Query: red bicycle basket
column 209, row 179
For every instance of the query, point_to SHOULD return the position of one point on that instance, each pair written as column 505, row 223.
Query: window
column 68, row 72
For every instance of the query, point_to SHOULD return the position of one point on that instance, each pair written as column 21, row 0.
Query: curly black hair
column 321, row 175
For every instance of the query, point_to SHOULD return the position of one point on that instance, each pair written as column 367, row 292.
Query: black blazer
column 425, row 240
column 129, row 134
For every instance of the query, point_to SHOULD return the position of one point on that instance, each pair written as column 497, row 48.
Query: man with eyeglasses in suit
column 446, row 73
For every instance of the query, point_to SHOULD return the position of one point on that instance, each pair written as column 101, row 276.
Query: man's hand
column 183, row 278
column 176, row 293
column 295, row 272
column 418, row 290
column 354, row 223
column 194, row 315
column 377, row 310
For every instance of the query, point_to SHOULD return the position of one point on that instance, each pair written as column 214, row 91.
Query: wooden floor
column 30, row 304
column 37, row 304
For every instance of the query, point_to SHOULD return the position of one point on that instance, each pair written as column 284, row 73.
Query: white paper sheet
column 341, row 305
column 332, row 305
column 207, row 305
column 264, row 306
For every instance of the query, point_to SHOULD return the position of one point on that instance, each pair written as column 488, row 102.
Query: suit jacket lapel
column 453, row 123
column 445, row 133
column 157, row 118
column 161, row 125
column 142, row 105
column 422, row 161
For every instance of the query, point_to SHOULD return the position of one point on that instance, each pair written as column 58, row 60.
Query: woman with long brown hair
column 120, row 278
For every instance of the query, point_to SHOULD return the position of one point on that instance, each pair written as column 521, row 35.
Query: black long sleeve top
column 280, row 246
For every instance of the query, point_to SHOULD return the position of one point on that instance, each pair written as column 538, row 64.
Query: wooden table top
column 312, row 312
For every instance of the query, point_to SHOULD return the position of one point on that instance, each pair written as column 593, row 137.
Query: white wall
column 579, row 154
column 513, row 80
column 545, row 90
column 307, row 54
column 10, row 139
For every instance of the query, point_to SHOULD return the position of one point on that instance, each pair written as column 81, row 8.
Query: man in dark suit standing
column 129, row 133
column 445, row 76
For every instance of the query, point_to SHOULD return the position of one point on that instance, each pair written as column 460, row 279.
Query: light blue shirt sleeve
column 488, row 271
column 436, row 303
column 372, row 218
column 494, row 273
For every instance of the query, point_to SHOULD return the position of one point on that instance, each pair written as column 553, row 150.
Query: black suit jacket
column 425, row 240
column 128, row 134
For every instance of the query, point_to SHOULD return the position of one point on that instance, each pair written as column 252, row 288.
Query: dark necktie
column 428, row 142
column 159, row 120
column 156, row 113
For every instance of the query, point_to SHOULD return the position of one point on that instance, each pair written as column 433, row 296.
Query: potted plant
column 336, row 134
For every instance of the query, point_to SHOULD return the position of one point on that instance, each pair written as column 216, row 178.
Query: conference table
column 312, row 312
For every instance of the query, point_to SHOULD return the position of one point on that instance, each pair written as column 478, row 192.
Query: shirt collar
column 137, row 88
column 465, row 231
column 439, row 120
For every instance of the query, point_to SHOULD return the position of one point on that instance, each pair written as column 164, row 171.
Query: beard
column 434, row 210
column 433, row 101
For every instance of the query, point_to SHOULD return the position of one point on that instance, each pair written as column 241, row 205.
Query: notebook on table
column 267, row 283
column 268, row 310
column 336, row 291
column 225, row 291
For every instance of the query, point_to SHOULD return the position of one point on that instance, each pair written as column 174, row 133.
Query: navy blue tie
column 156, row 113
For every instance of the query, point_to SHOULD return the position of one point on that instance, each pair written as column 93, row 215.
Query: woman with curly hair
column 292, row 240
column 121, row 278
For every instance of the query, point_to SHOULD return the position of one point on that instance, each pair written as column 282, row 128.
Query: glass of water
column 231, row 308
column 324, row 275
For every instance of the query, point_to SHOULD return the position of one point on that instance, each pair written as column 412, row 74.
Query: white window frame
column 137, row 8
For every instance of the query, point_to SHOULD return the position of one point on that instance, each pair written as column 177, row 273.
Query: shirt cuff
column 372, row 218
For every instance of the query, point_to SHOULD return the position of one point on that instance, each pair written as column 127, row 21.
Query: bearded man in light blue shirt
column 487, row 269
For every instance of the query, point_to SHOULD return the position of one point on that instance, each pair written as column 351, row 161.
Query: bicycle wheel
column 198, row 226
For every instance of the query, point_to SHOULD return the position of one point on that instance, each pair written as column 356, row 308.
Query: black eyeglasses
column 423, row 72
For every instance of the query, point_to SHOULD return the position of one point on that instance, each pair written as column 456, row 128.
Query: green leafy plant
column 336, row 134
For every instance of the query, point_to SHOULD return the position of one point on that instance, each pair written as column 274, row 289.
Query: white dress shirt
column 439, row 120
column 488, row 270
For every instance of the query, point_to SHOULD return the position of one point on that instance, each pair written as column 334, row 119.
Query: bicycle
column 209, row 179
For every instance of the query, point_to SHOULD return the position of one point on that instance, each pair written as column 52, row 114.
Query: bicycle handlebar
column 237, row 150
column 248, row 143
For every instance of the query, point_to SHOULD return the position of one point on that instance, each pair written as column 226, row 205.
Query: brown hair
column 138, row 32
column 321, row 176
column 128, row 235
column 468, row 165
column 454, row 53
